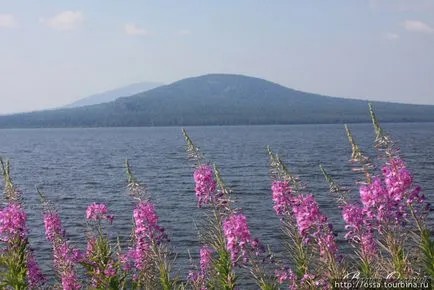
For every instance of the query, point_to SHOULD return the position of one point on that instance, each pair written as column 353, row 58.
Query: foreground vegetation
column 387, row 228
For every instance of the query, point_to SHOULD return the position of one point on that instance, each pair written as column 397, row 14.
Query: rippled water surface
column 75, row 167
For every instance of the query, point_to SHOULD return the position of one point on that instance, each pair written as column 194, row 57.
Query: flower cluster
column 53, row 226
column 238, row 238
column 359, row 229
column 399, row 183
column 205, row 258
column 385, row 200
column 147, row 234
column 307, row 281
column 13, row 232
column 205, row 185
column 199, row 278
column 146, row 222
column 99, row 254
column 64, row 256
column 136, row 257
column 34, row 274
column 96, row 212
column 282, row 195
column 12, row 222
column 312, row 224
column 286, row 275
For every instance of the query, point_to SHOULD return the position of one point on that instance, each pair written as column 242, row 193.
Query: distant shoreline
column 213, row 125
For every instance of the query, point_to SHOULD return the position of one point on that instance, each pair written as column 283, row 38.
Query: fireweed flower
column 205, row 185
column 193, row 276
column 13, row 231
column 397, row 178
column 282, row 195
column 138, row 255
column 97, row 212
column 307, row 214
column 312, row 224
column 110, row 271
column 377, row 205
column 146, row 222
column 418, row 202
column 399, row 183
column 373, row 195
column 199, row 278
column 205, row 258
column 12, row 222
column 359, row 228
column 34, row 274
column 308, row 281
column 91, row 244
column 53, row 227
column 146, row 233
column 64, row 256
column 354, row 219
column 70, row 281
column 286, row 275
column 385, row 199
column 238, row 237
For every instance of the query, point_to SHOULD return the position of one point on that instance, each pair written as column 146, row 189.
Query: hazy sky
column 55, row 52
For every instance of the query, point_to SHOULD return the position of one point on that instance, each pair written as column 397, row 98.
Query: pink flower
column 53, row 226
column 198, row 280
column 205, row 258
column 238, row 237
column 354, row 219
column 91, row 244
column 397, row 178
column 327, row 243
column 146, row 222
column 386, row 200
column 12, row 222
column 64, row 256
column 367, row 241
column 110, row 271
column 285, row 275
column 205, row 185
column 146, row 233
column 282, row 195
column 312, row 224
column 97, row 212
column 139, row 256
column 373, row 194
column 34, row 274
column 69, row 281
column 360, row 228
column 193, row 276
column 307, row 214
column 125, row 262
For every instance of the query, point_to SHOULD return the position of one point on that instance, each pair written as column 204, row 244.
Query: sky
column 55, row 52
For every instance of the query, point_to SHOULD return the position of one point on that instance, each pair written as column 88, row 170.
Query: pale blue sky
column 55, row 52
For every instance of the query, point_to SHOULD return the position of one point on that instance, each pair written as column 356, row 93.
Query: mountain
column 114, row 94
column 220, row 99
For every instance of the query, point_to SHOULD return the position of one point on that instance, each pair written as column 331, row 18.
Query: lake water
column 75, row 167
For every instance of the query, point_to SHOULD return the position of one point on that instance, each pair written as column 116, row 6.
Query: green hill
column 219, row 99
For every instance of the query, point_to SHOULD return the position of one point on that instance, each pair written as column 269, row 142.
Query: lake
column 75, row 167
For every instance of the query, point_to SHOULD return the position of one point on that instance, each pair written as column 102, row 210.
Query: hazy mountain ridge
column 220, row 99
column 114, row 94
